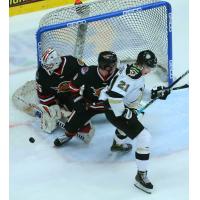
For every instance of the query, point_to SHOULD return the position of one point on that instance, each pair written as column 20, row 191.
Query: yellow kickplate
column 17, row 7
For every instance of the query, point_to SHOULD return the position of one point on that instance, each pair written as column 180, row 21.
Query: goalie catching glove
column 160, row 92
column 49, row 117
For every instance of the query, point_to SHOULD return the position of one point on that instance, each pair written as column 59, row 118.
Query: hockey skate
column 61, row 140
column 85, row 134
column 120, row 147
column 143, row 183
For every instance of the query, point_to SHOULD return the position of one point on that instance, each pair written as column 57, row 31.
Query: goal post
column 123, row 26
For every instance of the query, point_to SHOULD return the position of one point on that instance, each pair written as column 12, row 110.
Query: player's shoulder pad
column 133, row 71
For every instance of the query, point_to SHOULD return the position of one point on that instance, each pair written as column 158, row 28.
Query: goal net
column 123, row 26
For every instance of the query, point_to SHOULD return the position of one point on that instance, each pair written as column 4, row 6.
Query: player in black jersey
column 52, row 79
column 54, row 75
column 49, row 93
column 89, row 82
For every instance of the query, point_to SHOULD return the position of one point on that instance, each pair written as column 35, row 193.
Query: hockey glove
column 49, row 117
column 127, row 113
column 160, row 92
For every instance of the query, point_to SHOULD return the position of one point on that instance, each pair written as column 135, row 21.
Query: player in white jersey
column 125, row 91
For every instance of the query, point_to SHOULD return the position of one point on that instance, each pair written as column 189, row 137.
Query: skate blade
column 120, row 150
column 141, row 187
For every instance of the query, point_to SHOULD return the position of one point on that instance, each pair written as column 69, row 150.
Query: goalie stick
column 31, row 108
column 87, row 138
column 83, row 11
column 167, row 88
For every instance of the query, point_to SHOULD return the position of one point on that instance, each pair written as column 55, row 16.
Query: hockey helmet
column 147, row 58
column 107, row 59
column 50, row 60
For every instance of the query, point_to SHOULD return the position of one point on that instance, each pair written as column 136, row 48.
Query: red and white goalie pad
column 25, row 98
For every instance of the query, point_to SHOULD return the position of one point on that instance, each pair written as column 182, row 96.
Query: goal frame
column 118, row 13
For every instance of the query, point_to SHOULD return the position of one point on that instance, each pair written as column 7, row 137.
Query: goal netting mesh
column 123, row 26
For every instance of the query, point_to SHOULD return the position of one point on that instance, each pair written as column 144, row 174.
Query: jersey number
column 122, row 85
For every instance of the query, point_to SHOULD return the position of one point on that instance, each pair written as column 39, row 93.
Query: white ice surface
column 78, row 171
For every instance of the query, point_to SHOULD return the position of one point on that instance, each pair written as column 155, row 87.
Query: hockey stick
column 178, row 79
column 83, row 11
column 181, row 87
column 168, row 88
column 86, row 139
column 36, row 112
column 26, row 104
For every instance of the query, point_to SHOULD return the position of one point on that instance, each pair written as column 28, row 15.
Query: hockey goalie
column 48, row 96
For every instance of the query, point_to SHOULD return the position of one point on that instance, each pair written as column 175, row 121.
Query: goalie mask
column 107, row 60
column 147, row 58
column 50, row 60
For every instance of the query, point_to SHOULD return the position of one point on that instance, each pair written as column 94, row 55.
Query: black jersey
column 49, row 86
column 93, row 82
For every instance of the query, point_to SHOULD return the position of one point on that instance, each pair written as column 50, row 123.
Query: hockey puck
column 31, row 140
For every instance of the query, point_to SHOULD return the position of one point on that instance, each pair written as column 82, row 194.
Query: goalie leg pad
column 25, row 98
column 48, row 124
column 49, row 117
column 86, row 133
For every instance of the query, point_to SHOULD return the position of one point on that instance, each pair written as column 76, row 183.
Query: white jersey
column 126, row 88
